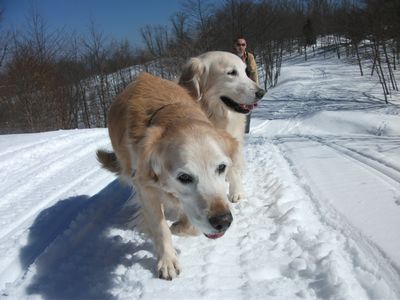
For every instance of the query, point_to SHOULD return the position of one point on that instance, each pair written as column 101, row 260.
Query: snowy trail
column 41, row 169
column 374, row 179
column 278, row 247
column 44, row 171
column 325, row 176
column 319, row 220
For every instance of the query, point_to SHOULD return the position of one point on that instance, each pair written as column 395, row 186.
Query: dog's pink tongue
column 248, row 106
column 214, row 235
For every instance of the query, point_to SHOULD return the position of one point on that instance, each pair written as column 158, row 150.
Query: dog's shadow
column 75, row 246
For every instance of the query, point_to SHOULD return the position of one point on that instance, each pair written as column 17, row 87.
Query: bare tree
column 95, row 53
column 31, row 79
column 181, row 41
column 157, row 43
column 199, row 14
column 4, row 40
column 119, row 65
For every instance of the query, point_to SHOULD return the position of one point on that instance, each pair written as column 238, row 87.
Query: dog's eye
column 233, row 73
column 185, row 178
column 221, row 168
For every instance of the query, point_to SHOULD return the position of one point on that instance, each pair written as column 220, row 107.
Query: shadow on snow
column 73, row 250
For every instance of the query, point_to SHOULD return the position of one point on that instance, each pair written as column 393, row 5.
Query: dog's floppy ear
column 149, row 165
column 191, row 75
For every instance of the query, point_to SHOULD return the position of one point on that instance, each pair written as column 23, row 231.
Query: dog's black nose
column 260, row 93
column 221, row 222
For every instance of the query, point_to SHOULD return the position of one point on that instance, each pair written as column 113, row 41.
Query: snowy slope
column 320, row 219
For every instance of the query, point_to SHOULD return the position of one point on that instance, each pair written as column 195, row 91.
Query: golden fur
column 166, row 146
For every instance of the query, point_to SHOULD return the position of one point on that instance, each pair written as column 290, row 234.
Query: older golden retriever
column 218, row 80
column 165, row 145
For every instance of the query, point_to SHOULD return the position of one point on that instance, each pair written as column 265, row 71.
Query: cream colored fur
column 217, row 74
column 161, row 137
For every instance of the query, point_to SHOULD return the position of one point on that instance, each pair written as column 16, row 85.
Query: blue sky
column 116, row 18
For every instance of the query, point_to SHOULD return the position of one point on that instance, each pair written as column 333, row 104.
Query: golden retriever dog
column 166, row 146
column 219, row 82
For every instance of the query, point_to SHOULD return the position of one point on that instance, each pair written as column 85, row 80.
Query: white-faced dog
column 166, row 146
column 219, row 82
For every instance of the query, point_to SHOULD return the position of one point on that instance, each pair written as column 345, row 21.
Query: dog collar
column 149, row 123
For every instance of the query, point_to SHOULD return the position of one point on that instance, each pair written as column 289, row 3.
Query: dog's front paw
column 168, row 267
column 235, row 193
column 235, row 197
column 235, row 190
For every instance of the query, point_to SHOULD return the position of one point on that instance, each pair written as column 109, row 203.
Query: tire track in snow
column 37, row 150
column 373, row 270
column 17, row 149
column 16, row 224
column 51, row 166
column 44, row 153
column 373, row 163
column 308, row 256
column 57, row 166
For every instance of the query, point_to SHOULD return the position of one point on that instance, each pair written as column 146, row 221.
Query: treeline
column 55, row 80
column 51, row 79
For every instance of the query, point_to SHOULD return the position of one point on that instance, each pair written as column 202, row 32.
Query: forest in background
column 52, row 79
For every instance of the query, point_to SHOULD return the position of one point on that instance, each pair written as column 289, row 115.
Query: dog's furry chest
column 233, row 123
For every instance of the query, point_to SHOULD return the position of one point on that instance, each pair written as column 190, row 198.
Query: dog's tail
column 109, row 161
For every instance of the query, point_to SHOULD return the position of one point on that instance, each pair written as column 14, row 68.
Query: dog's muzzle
column 242, row 108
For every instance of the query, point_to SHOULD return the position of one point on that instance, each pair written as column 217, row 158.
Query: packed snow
column 320, row 219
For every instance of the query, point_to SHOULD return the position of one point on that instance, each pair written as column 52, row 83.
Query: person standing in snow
column 251, row 70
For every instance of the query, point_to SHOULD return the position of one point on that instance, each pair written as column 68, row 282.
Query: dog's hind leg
column 183, row 227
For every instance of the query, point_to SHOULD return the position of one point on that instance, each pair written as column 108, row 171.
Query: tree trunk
column 391, row 75
column 305, row 52
column 358, row 59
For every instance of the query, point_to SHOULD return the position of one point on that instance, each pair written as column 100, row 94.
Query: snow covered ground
column 320, row 220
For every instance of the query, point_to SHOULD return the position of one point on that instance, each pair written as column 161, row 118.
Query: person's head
column 240, row 45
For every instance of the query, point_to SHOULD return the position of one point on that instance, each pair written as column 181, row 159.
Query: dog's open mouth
column 240, row 108
column 215, row 235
